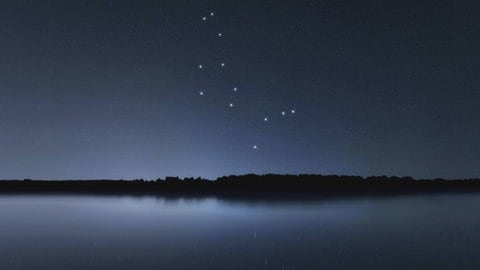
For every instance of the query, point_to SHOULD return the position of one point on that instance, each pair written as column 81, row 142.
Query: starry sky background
column 109, row 89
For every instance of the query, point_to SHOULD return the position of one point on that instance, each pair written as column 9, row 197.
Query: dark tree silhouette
column 251, row 185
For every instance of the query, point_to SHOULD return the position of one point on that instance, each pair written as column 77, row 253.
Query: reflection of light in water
column 213, row 232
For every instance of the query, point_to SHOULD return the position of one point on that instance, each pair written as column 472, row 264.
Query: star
column 235, row 88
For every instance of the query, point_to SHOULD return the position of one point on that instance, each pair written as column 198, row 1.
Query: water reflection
column 125, row 232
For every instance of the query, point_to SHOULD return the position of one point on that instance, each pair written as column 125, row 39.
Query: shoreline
column 248, row 186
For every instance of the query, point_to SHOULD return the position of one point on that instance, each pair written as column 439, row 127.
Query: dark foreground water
column 122, row 232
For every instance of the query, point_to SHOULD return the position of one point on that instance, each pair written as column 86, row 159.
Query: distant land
column 249, row 185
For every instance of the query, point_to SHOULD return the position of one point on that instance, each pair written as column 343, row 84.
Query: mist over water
column 125, row 232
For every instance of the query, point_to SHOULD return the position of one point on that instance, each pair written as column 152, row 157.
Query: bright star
column 211, row 13
column 204, row 18
column 201, row 93
column 200, row 66
column 235, row 89
column 222, row 64
column 230, row 105
column 254, row 147
column 220, row 34
column 283, row 113
column 265, row 119
column 292, row 111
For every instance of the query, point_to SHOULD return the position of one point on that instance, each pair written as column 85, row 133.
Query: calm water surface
column 124, row 232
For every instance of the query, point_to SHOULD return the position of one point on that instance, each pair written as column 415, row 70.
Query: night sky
column 113, row 89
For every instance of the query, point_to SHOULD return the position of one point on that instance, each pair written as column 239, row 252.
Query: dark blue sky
column 110, row 89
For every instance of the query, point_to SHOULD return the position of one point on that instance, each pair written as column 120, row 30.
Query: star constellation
column 283, row 114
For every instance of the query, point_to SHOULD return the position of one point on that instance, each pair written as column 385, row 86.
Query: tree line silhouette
column 253, row 185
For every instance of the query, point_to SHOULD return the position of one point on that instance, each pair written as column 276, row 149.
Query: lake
column 127, row 232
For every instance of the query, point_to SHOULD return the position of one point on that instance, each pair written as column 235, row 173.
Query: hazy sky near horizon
column 113, row 89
